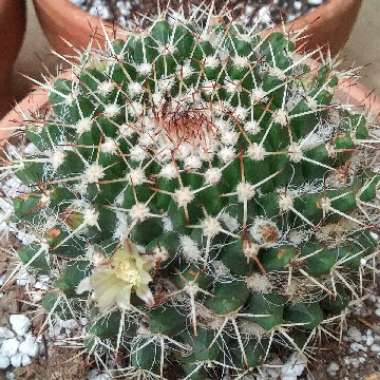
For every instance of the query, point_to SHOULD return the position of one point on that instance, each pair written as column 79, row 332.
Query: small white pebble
column 6, row 333
column 29, row 346
column 16, row 360
column 354, row 333
column 369, row 340
column 356, row 347
column 4, row 362
column 375, row 348
column 9, row 347
column 20, row 323
column 25, row 360
column 332, row 369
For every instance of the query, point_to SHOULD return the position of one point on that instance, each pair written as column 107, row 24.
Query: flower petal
column 84, row 286
column 145, row 294
column 124, row 297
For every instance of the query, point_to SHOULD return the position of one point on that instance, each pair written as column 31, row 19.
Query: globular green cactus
column 197, row 195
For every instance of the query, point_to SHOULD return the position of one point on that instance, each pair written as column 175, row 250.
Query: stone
column 9, row 347
column 20, row 323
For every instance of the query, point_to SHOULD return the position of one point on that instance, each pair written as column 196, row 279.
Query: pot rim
column 349, row 91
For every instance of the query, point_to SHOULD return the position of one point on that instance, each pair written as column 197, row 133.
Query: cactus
column 196, row 193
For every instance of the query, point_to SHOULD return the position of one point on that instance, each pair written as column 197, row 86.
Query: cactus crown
column 195, row 193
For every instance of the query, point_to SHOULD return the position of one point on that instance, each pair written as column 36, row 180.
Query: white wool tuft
column 136, row 177
column 189, row 248
column 94, row 173
column 83, row 125
column 258, row 283
column 210, row 227
column 256, row 152
column 213, row 176
column 139, row 212
column 245, row 191
column 183, row 196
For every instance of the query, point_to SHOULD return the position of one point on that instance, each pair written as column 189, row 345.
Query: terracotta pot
column 328, row 25
column 12, row 29
column 67, row 26
column 349, row 92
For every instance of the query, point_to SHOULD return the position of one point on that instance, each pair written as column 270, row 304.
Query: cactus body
column 197, row 195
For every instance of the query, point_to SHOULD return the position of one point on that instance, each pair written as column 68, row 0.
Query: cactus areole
column 196, row 193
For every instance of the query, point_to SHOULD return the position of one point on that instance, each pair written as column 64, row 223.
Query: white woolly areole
column 157, row 98
column 227, row 154
column 245, row 191
column 230, row 222
column 210, row 227
column 297, row 237
column 222, row 125
column 186, row 69
column 280, row 117
column 325, row 204
column 135, row 88
column 189, row 248
column 250, row 249
column 240, row 61
column 331, row 151
column 137, row 153
column 169, row 171
column 193, row 162
column 111, row 110
column 258, row 94
column 183, row 196
column 108, row 146
column 90, row 217
column 256, row 152
column 165, row 84
column 126, row 130
column 208, row 87
column 295, row 153
column 252, row 127
column 137, row 108
column 233, row 86
column 212, row 62
column 136, row 176
column 240, row 112
column 83, row 125
column 265, row 232
column 258, row 283
column 229, row 137
column 94, row 173
column 105, row 88
column 139, row 212
column 311, row 141
column 277, row 72
column 144, row 68
column 285, row 202
column 213, row 176
column 57, row 157
column 167, row 224
column 183, row 151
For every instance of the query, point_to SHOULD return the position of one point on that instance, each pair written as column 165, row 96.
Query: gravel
column 263, row 12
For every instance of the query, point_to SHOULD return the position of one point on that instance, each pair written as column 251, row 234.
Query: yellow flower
column 113, row 283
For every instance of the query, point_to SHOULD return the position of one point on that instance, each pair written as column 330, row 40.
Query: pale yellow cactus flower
column 113, row 281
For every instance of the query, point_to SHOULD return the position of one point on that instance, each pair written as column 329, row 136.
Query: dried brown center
column 191, row 126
